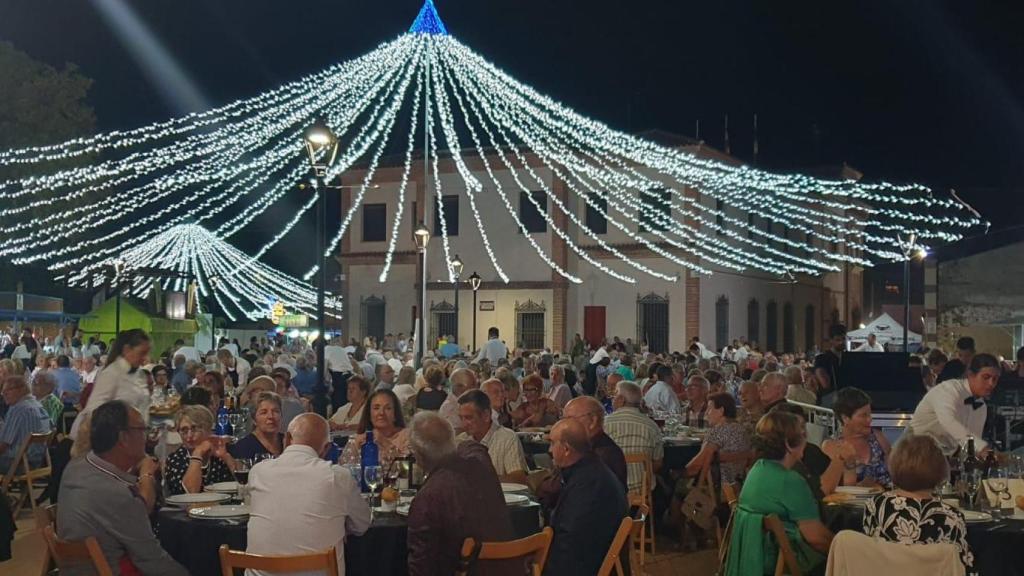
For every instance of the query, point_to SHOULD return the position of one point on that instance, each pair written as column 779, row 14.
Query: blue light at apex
column 427, row 21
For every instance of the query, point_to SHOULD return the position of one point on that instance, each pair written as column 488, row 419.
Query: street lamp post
column 119, row 269
column 474, row 283
column 322, row 148
column 422, row 238
column 214, row 281
column 457, row 267
column 911, row 251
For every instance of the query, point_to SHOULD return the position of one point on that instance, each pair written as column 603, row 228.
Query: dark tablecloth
column 998, row 546
column 381, row 551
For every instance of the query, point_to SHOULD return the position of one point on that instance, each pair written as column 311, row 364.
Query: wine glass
column 236, row 419
column 372, row 475
column 999, row 484
column 972, row 480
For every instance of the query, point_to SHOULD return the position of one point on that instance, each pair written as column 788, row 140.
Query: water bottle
column 223, row 427
column 368, row 456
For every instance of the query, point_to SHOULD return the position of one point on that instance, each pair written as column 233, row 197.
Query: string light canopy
column 91, row 199
column 189, row 255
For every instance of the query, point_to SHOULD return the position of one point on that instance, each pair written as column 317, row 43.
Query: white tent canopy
column 886, row 329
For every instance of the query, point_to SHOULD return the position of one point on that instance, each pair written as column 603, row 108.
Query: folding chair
column 67, row 554
column 536, row 546
column 643, row 498
column 30, row 474
column 787, row 559
column 613, row 559
column 230, row 560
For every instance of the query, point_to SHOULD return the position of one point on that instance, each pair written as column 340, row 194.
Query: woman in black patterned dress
column 909, row 514
column 201, row 460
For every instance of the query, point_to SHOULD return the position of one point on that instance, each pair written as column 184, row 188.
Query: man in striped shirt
column 25, row 416
column 634, row 431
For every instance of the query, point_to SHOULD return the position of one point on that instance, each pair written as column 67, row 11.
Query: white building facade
column 539, row 308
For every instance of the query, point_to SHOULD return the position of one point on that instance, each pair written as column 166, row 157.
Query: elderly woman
column 797, row 391
column 202, row 459
column 537, row 410
column 350, row 415
column 862, row 448
column 909, row 514
column 726, row 437
column 266, row 437
column 383, row 415
column 291, row 404
column 773, row 487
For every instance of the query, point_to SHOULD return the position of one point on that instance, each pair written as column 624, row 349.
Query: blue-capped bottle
column 369, row 455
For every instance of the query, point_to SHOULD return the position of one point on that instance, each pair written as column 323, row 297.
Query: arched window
column 771, row 339
column 530, row 325
column 809, row 322
column 721, row 322
column 753, row 320
column 788, row 328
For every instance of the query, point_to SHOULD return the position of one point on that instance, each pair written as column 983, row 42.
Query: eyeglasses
column 528, row 390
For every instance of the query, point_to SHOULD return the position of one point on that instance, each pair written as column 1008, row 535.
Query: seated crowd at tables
column 458, row 416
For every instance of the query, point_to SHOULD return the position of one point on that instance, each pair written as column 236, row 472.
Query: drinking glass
column 373, row 475
column 999, row 484
column 972, row 481
column 242, row 472
column 356, row 471
column 236, row 419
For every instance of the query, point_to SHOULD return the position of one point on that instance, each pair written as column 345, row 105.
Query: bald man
column 462, row 379
column 588, row 412
column 304, row 496
column 590, row 509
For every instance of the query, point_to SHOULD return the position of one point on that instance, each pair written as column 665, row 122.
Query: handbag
column 701, row 501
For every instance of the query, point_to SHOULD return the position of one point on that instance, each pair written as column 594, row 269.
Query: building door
column 371, row 317
column 652, row 322
column 442, row 322
column 593, row 324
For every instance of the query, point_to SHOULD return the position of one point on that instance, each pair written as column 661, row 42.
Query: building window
column 375, row 222
column 753, row 320
column 809, row 327
column 721, row 322
column 450, row 208
column 788, row 328
column 371, row 317
column 720, row 217
column 530, row 325
column 597, row 219
column 652, row 322
column 533, row 219
column 771, row 337
column 442, row 321
column 657, row 203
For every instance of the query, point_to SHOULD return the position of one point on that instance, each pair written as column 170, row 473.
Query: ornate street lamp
column 422, row 237
column 457, row 267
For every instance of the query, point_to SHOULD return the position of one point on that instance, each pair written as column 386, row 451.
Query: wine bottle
column 971, row 461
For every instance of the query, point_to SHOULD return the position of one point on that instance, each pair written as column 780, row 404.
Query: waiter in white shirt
column 955, row 409
column 871, row 345
column 494, row 349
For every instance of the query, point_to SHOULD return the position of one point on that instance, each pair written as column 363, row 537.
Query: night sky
column 921, row 90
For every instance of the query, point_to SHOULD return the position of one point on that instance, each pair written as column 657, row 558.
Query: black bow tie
column 974, row 402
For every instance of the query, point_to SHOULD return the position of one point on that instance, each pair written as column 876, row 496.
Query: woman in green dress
column 773, row 487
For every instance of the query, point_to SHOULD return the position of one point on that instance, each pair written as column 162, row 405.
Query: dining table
column 380, row 551
column 996, row 544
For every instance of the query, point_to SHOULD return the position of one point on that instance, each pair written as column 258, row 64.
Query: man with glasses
column 25, row 416
column 101, row 495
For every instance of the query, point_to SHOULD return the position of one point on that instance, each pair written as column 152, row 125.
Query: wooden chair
column 67, row 554
column 536, row 546
column 46, row 516
column 787, row 559
column 326, row 561
column 29, row 474
column 723, row 544
column 636, row 561
column 613, row 559
column 643, row 498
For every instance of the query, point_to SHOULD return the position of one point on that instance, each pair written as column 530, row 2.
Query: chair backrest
column 853, row 553
column 647, row 475
column 729, row 494
column 326, row 561
column 787, row 559
column 723, row 544
column 44, row 440
column 66, row 553
column 46, row 516
column 612, row 560
column 536, row 546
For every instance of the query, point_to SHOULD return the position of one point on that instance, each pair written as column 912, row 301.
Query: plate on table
column 223, row 487
column 513, row 487
column 975, row 516
column 184, row 500
column 222, row 512
column 858, row 490
column 516, row 499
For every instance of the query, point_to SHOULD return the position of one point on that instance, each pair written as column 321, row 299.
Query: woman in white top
column 348, row 416
column 120, row 378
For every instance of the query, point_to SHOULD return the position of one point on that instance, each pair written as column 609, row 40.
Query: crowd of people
column 457, row 417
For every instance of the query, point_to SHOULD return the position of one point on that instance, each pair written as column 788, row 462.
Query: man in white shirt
column 661, row 397
column 871, row 345
column 312, row 502
column 462, row 379
column 955, row 409
column 503, row 445
column 494, row 349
